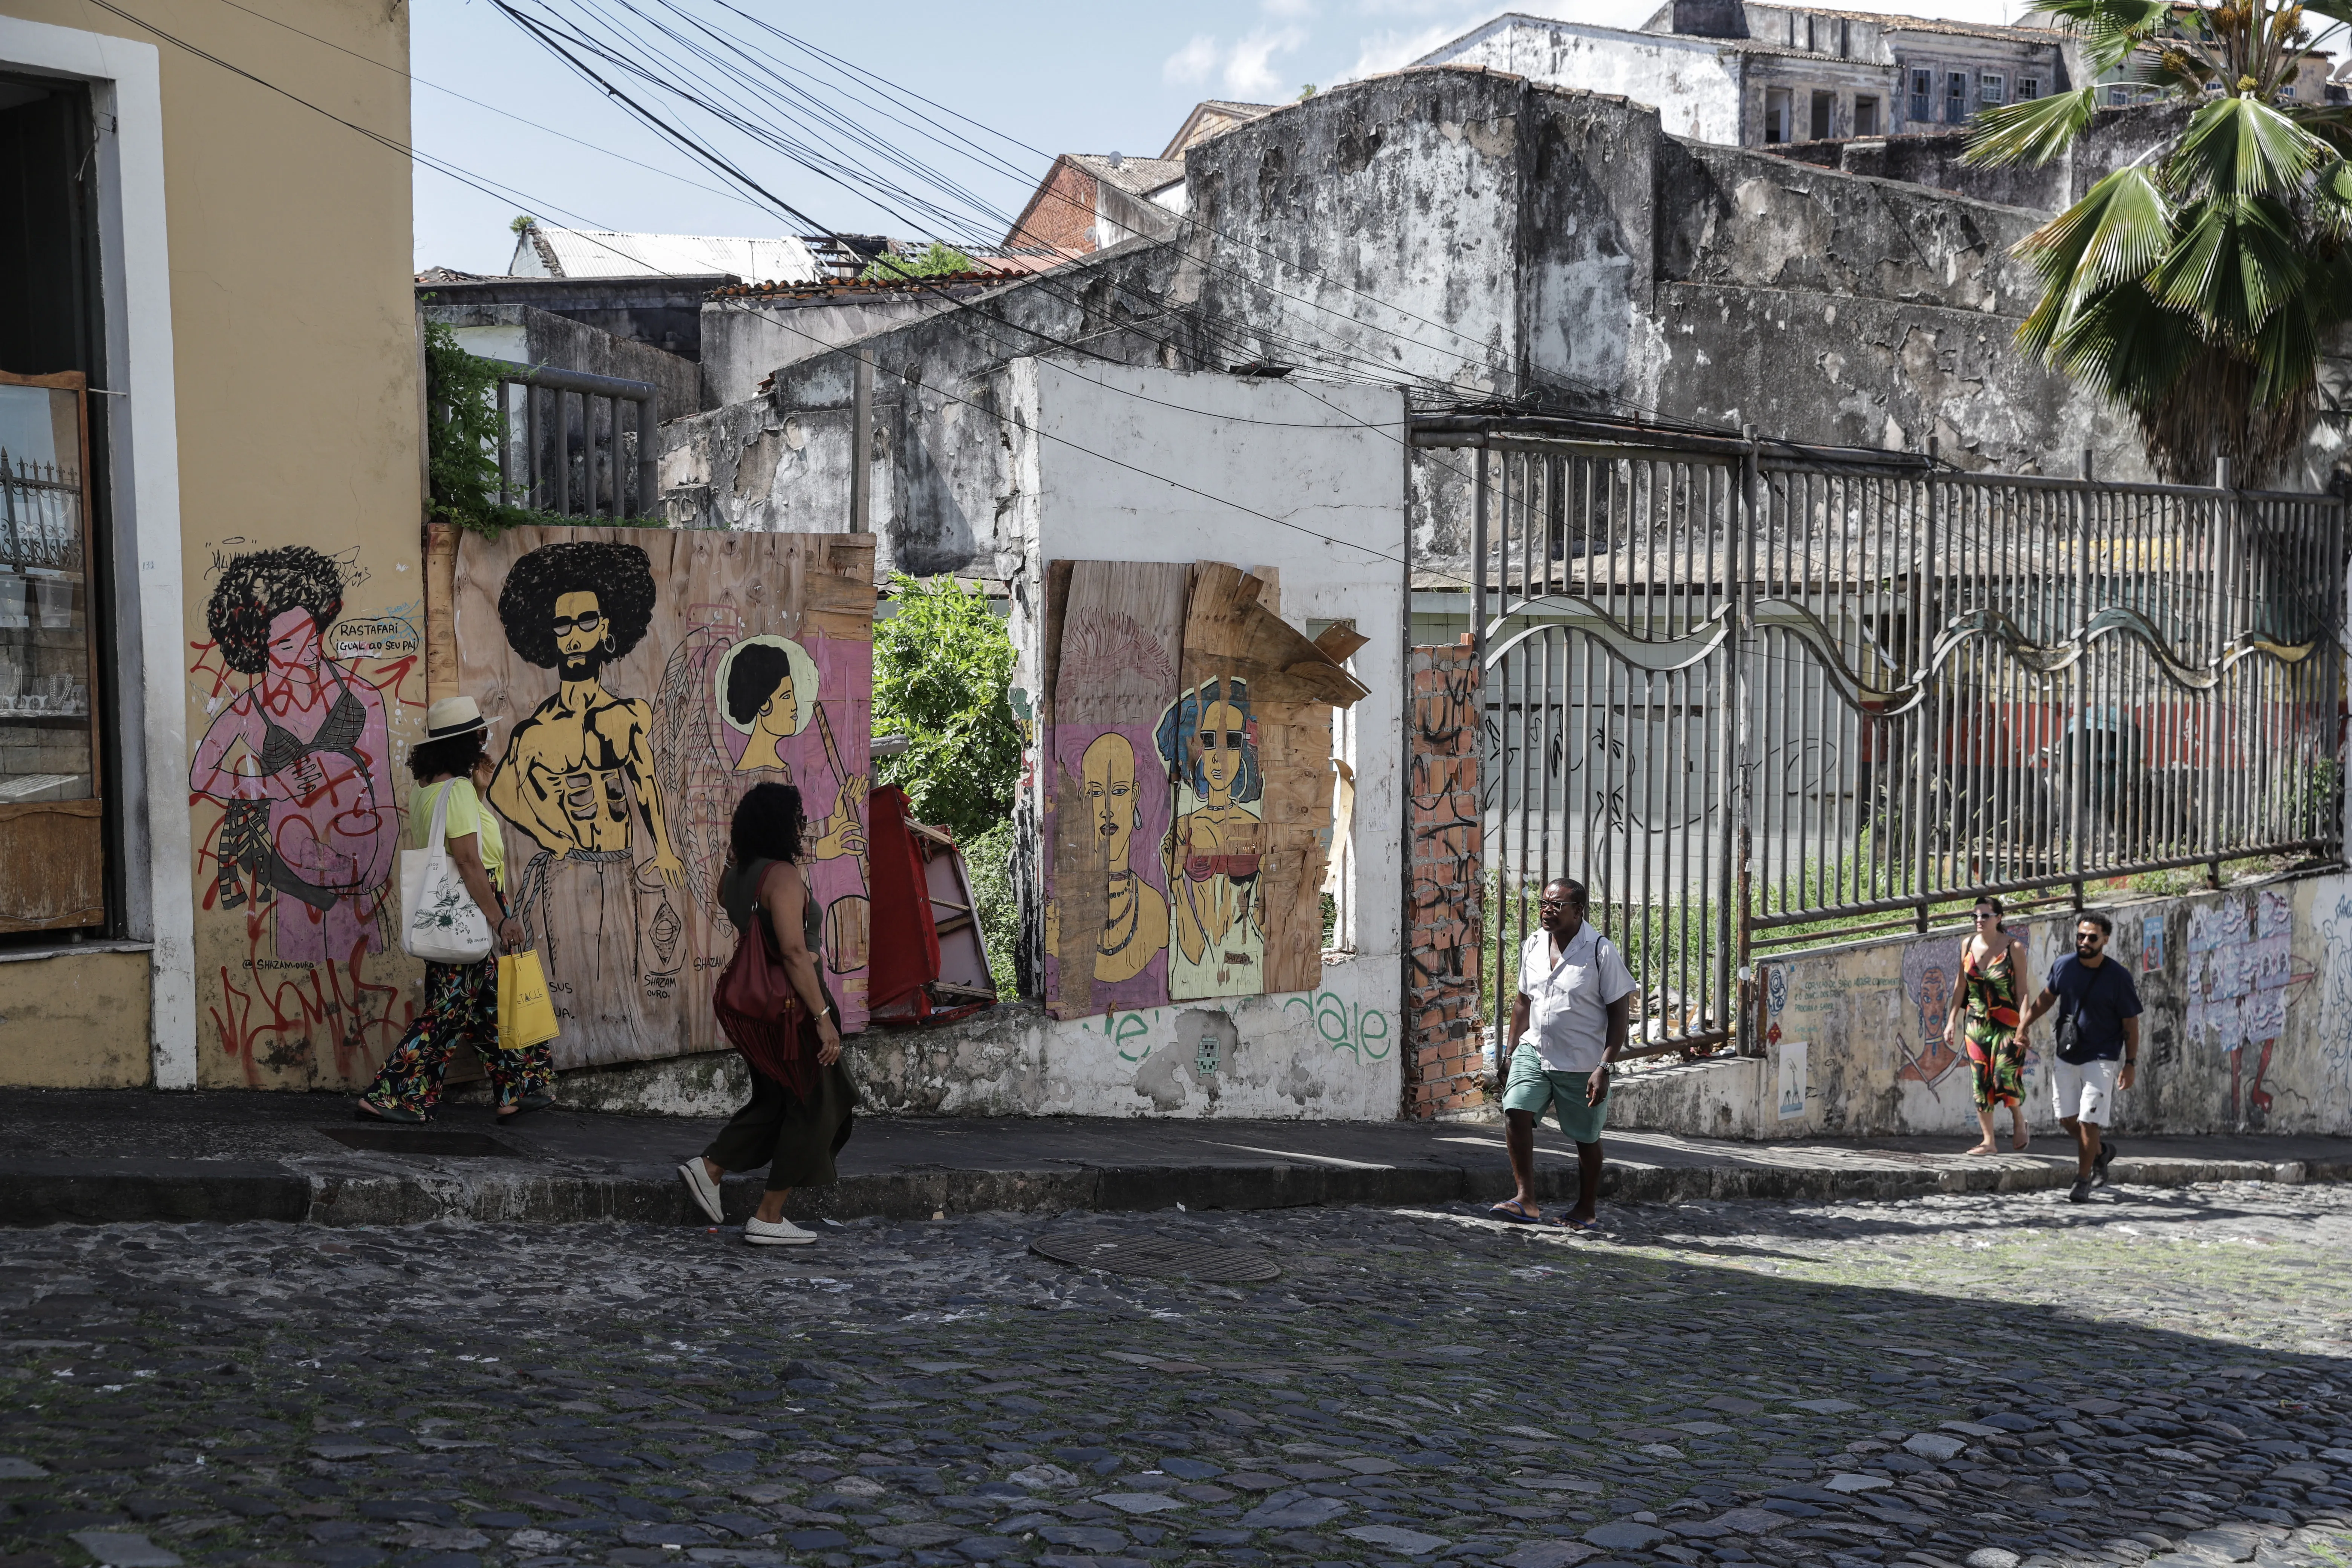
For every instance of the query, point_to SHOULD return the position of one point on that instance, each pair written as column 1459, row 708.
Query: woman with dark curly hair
column 461, row 1000
column 796, row 1122
column 301, row 758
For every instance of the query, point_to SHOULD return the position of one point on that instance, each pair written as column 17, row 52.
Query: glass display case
column 52, row 841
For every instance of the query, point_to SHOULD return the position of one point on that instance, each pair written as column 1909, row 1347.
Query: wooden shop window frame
column 55, row 851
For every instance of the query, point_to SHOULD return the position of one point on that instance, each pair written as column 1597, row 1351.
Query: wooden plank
column 618, row 776
column 1246, row 935
column 1057, row 598
column 1339, row 641
column 1226, row 623
column 440, row 611
column 56, row 853
column 1115, row 678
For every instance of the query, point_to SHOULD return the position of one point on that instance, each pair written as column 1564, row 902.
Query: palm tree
column 2194, row 288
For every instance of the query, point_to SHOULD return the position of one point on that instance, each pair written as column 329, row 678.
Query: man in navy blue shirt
column 2097, row 1045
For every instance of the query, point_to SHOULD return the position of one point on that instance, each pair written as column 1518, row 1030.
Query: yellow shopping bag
column 526, row 1015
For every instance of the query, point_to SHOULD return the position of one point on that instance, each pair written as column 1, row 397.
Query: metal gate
column 1758, row 697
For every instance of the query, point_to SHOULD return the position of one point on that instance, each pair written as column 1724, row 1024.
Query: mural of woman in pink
column 301, row 759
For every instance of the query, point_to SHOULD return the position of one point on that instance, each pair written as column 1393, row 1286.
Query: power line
column 628, row 61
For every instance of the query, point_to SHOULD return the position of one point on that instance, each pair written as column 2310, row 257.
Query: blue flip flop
column 1511, row 1212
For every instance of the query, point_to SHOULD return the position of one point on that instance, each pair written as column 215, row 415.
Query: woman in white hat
column 461, row 1000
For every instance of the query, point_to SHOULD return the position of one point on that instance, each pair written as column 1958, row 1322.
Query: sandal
column 1513, row 1212
column 368, row 1111
column 528, row 1104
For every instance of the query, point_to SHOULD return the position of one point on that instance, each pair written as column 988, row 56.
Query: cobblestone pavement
column 1978, row 1382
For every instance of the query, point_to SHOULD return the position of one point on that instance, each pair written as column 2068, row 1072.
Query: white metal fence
column 1756, row 696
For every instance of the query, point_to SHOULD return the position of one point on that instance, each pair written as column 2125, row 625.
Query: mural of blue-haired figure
column 1208, row 736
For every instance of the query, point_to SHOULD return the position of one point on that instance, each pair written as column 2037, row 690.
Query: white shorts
column 2086, row 1090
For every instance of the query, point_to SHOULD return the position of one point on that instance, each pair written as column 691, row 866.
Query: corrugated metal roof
column 542, row 251
column 1137, row 176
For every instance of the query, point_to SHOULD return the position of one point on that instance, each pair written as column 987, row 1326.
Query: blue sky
column 1057, row 77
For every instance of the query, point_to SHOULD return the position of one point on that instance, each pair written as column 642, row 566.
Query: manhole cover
column 421, row 1141
column 1157, row 1256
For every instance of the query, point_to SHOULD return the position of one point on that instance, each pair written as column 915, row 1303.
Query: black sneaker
column 2079, row 1193
column 2100, row 1161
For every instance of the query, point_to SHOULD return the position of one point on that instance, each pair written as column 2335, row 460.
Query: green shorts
column 1532, row 1089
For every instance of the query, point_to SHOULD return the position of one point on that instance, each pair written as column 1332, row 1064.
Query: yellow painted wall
column 79, row 1021
column 294, row 350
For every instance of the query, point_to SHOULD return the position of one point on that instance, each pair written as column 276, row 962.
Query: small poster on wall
column 1789, row 1087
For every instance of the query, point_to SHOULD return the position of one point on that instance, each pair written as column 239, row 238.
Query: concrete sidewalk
column 76, row 1156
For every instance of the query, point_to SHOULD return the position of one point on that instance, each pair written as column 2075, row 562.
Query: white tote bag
column 439, row 921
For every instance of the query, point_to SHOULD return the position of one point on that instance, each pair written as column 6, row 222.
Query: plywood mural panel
column 638, row 682
column 1187, row 674
column 306, row 682
column 1115, row 676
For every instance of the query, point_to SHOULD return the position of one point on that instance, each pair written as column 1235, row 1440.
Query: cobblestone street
column 1966, row 1381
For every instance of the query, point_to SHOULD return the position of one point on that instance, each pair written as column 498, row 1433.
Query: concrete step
column 229, row 1158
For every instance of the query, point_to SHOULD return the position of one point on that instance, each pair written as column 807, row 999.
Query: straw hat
column 453, row 716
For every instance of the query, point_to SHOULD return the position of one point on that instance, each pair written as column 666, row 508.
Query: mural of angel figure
column 769, row 688
column 301, row 759
column 736, row 712
column 1208, row 738
column 577, row 778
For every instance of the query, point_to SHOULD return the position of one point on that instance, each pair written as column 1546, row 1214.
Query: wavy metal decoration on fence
column 1660, row 656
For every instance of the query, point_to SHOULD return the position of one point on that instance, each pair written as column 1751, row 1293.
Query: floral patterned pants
column 461, row 1005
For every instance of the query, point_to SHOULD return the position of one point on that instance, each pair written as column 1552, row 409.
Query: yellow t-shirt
column 466, row 815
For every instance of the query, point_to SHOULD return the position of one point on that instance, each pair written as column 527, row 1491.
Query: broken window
column 1865, row 116
column 1956, row 98
column 1923, row 94
column 1824, row 116
column 1992, row 89
column 2028, row 89
column 1776, row 115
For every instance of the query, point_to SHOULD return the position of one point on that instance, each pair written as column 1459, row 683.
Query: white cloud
column 1249, row 67
column 1388, row 51
column 1193, row 63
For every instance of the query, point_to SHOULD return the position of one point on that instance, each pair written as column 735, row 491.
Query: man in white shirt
column 1568, row 1024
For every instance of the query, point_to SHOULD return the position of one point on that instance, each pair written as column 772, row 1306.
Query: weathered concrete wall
column 2248, row 1028
column 528, row 335
column 1697, row 85
column 1474, row 235
column 782, row 461
column 745, row 340
column 1826, row 307
column 664, row 312
column 2115, row 138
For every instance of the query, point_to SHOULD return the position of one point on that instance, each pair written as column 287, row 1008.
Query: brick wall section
column 1061, row 213
column 1443, row 894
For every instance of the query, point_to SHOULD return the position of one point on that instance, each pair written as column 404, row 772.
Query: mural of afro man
column 578, row 775
column 254, row 589
column 571, row 582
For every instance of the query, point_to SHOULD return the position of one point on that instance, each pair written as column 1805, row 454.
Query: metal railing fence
column 1755, row 697
column 40, row 512
column 564, row 448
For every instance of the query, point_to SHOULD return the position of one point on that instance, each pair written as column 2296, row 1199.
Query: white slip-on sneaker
column 782, row 1233
column 706, row 1191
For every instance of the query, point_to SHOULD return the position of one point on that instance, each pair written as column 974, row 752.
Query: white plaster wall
column 1693, row 83
column 1118, row 463
column 2205, row 1066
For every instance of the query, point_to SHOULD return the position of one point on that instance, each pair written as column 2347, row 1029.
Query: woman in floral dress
column 1992, row 965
